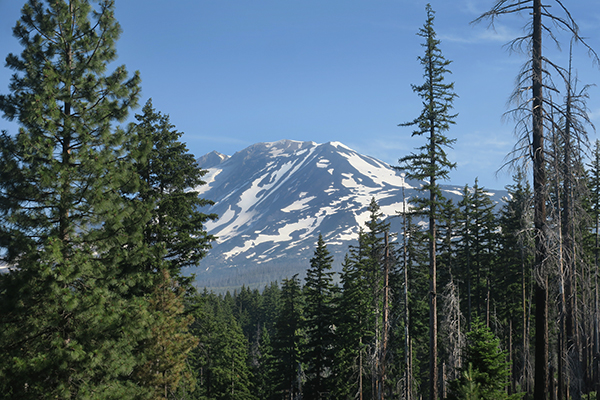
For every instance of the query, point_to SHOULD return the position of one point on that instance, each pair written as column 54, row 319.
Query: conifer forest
column 470, row 300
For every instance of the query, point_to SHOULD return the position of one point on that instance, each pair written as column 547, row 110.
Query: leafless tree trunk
column 407, row 346
column 386, row 322
column 536, row 149
column 452, row 329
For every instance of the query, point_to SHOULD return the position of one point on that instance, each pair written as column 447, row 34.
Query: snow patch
column 456, row 192
column 208, row 178
column 323, row 163
column 381, row 174
column 299, row 205
column 339, row 145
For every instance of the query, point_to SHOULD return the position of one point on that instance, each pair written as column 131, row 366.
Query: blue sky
column 235, row 72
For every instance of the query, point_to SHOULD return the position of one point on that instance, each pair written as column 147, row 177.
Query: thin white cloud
column 498, row 34
column 476, row 7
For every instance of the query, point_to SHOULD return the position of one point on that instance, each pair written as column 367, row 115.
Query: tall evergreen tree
column 318, row 317
column 363, row 323
column 67, row 209
column 177, row 238
column 288, row 340
column 170, row 179
column 353, row 327
column 513, row 276
column 165, row 352
column 431, row 164
column 416, row 306
column 221, row 358
column 594, row 188
column 477, row 249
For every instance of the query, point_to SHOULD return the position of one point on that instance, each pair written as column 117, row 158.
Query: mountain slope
column 273, row 200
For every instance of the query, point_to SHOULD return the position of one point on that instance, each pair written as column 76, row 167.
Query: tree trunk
column 539, row 190
column 433, row 350
column 386, row 307
column 407, row 361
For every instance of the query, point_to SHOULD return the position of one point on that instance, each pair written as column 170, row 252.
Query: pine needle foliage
column 67, row 185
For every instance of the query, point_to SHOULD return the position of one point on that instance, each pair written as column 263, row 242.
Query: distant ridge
column 274, row 199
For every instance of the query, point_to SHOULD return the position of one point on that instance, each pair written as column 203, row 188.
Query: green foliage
column 431, row 163
column 288, row 340
column 221, row 359
column 486, row 370
column 170, row 177
column 67, row 209
column 165, row 351
column 318, row 318
column 469, row 389
column 359, row 323
column 476, row 250
column 418, row 307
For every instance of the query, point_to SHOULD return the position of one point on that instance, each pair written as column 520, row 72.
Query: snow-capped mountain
column 274, row 199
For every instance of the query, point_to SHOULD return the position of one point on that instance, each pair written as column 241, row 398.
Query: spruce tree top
column 435, row 118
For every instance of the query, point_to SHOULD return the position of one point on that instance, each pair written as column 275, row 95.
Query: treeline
column 367, row 337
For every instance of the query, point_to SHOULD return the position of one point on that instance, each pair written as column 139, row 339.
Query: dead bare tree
column 532, row 118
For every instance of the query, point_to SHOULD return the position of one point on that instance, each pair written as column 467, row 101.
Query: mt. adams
column 274, row 199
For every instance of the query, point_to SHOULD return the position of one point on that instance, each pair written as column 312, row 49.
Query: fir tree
column 176, row 236
column 486, row 369
column 165, row 351
column 353, row 328
column 477, row 248
column 221, row 359
column 67, row 188
column 170, row 178
column 431, row 163
column 288, row 340
column 318, row 317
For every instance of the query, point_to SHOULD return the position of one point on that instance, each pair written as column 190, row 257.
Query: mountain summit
column 274, row 199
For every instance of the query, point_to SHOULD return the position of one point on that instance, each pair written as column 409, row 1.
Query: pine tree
column 318, row 317
column 431, row 163
column 477, row 249
column 363, row 323
column 176, row 236
column 353, row 327
column 170, row 179
column 221, row 359
column 594, row 188
column 263, row 370
column 485, row 368
column 67, row 188
column 288, row 340
column 165, row 351
column 513, row 282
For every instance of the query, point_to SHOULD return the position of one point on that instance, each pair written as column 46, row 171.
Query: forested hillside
column 100, row 214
